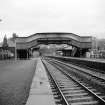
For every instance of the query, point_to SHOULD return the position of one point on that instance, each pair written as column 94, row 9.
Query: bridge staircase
column 74, row 50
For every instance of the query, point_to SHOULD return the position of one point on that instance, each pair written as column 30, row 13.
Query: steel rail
column 68, row 65
column 95, row 95
column 56, row 84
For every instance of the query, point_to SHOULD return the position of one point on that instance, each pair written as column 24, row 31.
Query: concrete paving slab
column 40, row 100
column 40, row 92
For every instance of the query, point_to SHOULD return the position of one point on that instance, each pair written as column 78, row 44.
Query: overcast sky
column 26, row 17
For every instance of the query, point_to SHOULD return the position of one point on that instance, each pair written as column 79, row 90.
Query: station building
column 7, row 48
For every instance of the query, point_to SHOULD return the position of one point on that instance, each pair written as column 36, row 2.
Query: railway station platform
column 40, row 92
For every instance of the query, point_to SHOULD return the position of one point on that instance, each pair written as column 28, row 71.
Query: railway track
column 84, row 77
column 70, row 90
column 82, row 73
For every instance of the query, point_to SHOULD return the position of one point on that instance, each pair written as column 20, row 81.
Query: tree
column 5, row 44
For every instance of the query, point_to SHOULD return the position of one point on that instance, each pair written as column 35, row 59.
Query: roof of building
column 50, row 33
column 10, row 42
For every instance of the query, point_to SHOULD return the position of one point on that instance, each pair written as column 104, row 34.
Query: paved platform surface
column 40, row 92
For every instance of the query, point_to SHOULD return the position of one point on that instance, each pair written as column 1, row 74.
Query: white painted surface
column 40, row 93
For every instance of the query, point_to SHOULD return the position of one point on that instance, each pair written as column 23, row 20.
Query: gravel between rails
column 15, row 81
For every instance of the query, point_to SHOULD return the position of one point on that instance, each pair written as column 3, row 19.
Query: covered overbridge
column 25, row 45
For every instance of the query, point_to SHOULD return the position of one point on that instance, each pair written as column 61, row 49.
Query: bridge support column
column 15, row 53
column 27, row 54
column 30, row 52
column 80, row 52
